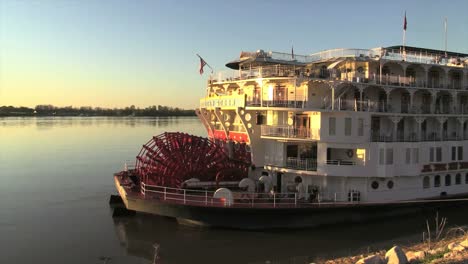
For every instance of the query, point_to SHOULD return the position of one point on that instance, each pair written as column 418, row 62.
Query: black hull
column 273, row 218
column 256, row 218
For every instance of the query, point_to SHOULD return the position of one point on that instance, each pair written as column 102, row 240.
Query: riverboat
column 305, row 140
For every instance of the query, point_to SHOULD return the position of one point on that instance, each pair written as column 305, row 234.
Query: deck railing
column 341, row 162
column 290, row 132
column 246, row 199
column 292, row 71
column 301, row 164
column 264, row 200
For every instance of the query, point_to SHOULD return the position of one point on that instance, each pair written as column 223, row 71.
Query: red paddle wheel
column 170, row 159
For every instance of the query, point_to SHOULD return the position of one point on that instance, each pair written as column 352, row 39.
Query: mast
column 445, row 26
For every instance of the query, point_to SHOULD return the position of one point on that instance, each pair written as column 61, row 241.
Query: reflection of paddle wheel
column 172, row 158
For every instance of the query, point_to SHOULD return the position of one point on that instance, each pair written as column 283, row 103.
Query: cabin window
column 426, row 182
column 291, row 151
column 460, row 153
column 390, row 184
column 408, row 156
column 466, row 178
column 331, row 126
column 375, row 185
column 389, row 156
column 381, row 157
column 415, row 156
column 437, row 181
column 438, row 154
column 448, row 180
column 458, row 179
column 360, row 127
column 454, row 153
column 431, row 154
column 348, row 126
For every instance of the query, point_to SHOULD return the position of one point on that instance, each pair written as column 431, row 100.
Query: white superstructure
column 374, row 125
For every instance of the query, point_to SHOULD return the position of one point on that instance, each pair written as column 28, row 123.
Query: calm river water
column 55, row 182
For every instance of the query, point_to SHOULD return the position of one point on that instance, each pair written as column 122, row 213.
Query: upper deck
column 394, row 53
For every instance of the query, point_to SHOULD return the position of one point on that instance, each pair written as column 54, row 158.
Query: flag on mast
column 405, row 23
column 202, row 64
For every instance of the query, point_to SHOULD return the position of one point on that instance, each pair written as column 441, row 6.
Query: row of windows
column 447, row 181
column 435, row 153
column 348, row 126
column 412, row 155
column 415, row 157
column 386, row 156
column 457, row 151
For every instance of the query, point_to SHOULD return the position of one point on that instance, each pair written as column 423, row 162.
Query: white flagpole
column 404, row 37
column 445, row 25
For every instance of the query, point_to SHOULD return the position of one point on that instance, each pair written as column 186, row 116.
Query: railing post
column 274, row 199
column 165, row 193
column 253, row 197
column 295, row 199
column 335, row 197
column 184, row 197
column 206, row 197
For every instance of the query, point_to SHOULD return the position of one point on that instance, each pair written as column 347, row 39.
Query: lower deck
column 369, row 189
column 258, row 213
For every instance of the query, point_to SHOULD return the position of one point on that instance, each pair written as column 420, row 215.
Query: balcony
column 301, row 164
column 290, row 132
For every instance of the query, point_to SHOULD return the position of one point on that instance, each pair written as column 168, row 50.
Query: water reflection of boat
column 183, row 244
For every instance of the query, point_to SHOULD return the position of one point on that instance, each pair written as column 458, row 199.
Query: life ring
column 350, row 153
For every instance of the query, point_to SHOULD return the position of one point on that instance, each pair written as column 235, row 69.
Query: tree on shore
column 50, row 110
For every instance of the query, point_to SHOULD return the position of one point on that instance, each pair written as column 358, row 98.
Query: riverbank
column 50, row 110
column 453, row 249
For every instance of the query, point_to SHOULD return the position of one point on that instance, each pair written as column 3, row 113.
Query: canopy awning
column 333, row 65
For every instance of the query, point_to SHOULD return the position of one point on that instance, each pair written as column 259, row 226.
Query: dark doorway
column 279, row 178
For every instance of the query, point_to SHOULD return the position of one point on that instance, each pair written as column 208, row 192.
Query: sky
column 116, row 53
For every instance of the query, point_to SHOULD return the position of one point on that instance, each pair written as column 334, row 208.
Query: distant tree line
column 50, row 110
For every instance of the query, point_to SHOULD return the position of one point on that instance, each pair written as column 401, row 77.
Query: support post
column 333, row 98
column 274, row 200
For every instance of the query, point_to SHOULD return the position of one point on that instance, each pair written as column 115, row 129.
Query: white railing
column 290, row 132
column 341, row 162
column 301, row 164
column 267, row 200
column 256, row 72
column 246, row 199
column 278, row 103
column 423, row 57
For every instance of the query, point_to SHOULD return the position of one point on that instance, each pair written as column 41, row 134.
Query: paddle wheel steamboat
column 294, row 141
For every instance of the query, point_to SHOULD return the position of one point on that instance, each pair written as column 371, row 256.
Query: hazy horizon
column 116, row 53
column 96, row 106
